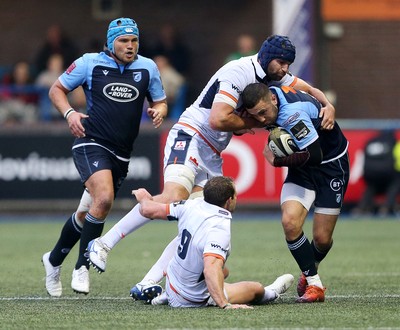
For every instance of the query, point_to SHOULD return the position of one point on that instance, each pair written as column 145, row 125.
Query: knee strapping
column 180, row 174
column 85, row 202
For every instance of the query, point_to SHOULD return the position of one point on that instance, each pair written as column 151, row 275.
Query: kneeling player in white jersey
column 192, row 153
column 196, row 272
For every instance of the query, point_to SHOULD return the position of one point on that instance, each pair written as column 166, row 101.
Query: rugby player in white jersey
column 193, row 149
column 197, row 270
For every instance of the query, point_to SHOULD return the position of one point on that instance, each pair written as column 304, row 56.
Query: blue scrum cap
column 120, row 27
column 276, row 47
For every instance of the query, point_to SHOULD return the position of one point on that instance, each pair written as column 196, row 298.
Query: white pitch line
column 65, row 298
column 373, row 274
column 129, row 298
column 364, row 296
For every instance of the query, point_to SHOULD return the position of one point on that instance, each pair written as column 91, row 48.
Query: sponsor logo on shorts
column 336, row 184
column 194, row 161
column 180, row 145
column 338, row 198
column 121, row 92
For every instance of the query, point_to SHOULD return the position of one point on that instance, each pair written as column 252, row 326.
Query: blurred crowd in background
column 24, row 85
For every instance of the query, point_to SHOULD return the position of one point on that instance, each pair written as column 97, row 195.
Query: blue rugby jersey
column 114, row 95
column 299, row 115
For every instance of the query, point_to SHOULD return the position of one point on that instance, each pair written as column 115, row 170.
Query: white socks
column 269, row 295
column 128, row 224
column 314, row 280
column 159, row 269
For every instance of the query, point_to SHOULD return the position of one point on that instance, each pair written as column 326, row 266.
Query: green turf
column 361, row 273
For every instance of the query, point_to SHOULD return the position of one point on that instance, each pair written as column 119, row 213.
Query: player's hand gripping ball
column 281, row 142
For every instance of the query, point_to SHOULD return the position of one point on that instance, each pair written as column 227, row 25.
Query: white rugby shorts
column 186, row 147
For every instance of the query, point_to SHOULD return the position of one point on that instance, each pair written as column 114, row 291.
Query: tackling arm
column 328, row 111
column 149, row 208
column 223, row 118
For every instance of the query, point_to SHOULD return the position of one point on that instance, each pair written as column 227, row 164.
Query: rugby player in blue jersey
column 116, row 83
column 318, row 175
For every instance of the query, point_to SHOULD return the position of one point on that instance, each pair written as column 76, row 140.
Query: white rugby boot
column 53, row 274
column 98, row 253
column 80, row 280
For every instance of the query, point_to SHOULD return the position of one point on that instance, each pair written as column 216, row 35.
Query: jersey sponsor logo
column 175, row 204
column 180, row 145
column 235, row 88
column 217, row 246
column 223, row 212
column 300, row 130
column 291, row 119
column 121, row 92
column 95, row 61
column 70, row 68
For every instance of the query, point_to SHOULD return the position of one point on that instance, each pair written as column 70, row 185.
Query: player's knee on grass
column 244, row 292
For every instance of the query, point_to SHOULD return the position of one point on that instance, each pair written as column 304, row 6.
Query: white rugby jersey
column 204, row 229
column 226, row 85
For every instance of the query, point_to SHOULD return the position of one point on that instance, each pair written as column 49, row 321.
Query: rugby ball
column 281, row 142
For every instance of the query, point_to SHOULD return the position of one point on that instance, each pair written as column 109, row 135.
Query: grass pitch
column 361, row 273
